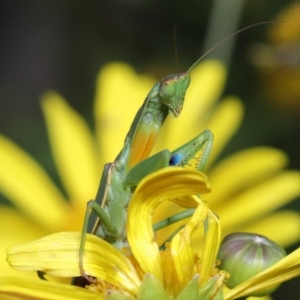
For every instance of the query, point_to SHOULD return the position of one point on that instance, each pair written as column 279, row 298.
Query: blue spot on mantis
column 175, row 159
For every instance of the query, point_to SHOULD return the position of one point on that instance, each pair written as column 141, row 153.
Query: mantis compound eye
column 172, row 92
column 168, row 87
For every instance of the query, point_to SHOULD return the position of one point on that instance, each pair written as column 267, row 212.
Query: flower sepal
column 191, row 290
column 152, row 289
column 213, row 289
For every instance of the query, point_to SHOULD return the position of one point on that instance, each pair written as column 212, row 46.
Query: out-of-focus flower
column 242, row 180
column 143, row 271
column 279, row 61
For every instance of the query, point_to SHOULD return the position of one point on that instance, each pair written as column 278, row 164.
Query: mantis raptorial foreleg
column 182, row 156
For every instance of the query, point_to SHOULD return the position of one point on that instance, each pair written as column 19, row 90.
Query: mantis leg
column 93, row 221
column 95, row 212
column 105, row 220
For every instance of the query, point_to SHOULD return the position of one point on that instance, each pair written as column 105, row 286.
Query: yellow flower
column 178, row 272
column 80, row 156
column 278, row 62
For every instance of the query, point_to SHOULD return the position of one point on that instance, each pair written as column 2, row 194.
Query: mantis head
column 172, row 92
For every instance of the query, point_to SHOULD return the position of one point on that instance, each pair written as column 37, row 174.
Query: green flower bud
column 244, row 255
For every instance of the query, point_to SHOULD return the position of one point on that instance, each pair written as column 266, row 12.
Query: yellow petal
column 73, row 148
column 260, row 298
column 15, row 229
column 27, row 185
column 153, row 190
column 181, row 246
column 186, row 202
column 208, row 79
column 260, row 200
column 58, row 255
column 120, row 93
column 289, row 227
column 211, row 247
column 286, row 269
column 243, row 169
column 13, row 288
column 224, row 123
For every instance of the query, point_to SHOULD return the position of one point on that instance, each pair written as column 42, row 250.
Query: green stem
column 224, row 20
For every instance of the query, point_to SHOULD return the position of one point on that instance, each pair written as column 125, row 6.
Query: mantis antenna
column 175, row 45
column 227, row 38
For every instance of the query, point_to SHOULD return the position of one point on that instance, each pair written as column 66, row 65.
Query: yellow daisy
column 278, row 62
column 142, row 271
column 80, row 155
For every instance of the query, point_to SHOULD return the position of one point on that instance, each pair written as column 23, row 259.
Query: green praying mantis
column 106, row 215
column 119, row 178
